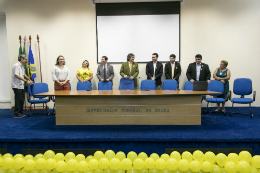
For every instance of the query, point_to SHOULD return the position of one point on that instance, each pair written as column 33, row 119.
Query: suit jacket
column 204, row 72
column 109, row 74
column 125, row 70
column 168, row 71
column 158, row 72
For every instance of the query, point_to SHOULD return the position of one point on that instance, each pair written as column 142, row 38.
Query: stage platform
column 216, row 131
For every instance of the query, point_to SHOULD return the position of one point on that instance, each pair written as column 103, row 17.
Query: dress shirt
column 173, row 66
column 154, row 68
column 17, row 69
column 104, row 66
column 198, row 68
column 60, row 74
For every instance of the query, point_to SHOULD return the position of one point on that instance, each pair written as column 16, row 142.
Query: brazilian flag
column 31, row 68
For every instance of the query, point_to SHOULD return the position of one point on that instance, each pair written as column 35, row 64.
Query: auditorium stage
column 216, row 131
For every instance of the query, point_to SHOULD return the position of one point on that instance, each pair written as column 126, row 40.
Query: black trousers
column 19, row 100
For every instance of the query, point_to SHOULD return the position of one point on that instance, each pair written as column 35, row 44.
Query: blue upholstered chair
column 170, row 84
column 38, row 88
column 217, row 86
column 242, row 87
column 84, row 86
column 188, row 86
column 105, row 85
column 126, row 84
column 147, row 84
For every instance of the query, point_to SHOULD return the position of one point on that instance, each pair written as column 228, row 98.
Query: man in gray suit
column 105, row 72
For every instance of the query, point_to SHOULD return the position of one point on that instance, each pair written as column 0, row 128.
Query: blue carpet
column 40, row 131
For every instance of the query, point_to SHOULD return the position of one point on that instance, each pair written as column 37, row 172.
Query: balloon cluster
column 109, row 162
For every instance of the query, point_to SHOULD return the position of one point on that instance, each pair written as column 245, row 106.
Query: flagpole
column 24, row 41
column 30, row 38
column 39, row 56
column 20, row 38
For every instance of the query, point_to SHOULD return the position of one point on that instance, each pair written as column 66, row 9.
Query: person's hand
column 191, row 80
column 82, row 81
column 125, row 76
column 62, row 83
column 102, row 80
column 28, row 83
column 218, row 78
column 208, row 81
column 223, row 81
column 107, row 80
column 131, row 77
column 153, row 78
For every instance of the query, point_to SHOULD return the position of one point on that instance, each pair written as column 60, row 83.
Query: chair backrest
column 84, row 86
column 38, row 88
column 126, row 84
column 147, row 83
column 188, row 85
column 105, row 85
column 70, row 86
column 242, row 86
column 217, row 86
column 169, row 84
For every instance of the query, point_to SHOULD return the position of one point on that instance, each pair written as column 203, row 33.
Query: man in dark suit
column 198, row 71
column 173, row 69
column 154, row 70
column 105, row 71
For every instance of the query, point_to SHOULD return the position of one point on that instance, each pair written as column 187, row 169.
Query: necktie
column 172, row 71
column 130, row 67
column 105, row 73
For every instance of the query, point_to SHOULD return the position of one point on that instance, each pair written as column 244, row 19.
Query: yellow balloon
column 45, row 171
column 165, row 171
column 109, row 170
column 243, row 167
column 183, row 165
column 215, row 169
column 132, row 170
column 126, row 164
column 54, row 171
column 29, row 165
column 49, row 154
column 59, row 157
column 144, row 170
column 187, row 156
column 221, row 159
column 7, row 163
column 154, row 156
column 89, row 171
column 195, row 166
column 179, row 171
column 114, row 164
column 24, row 171
column 175, row 155
column 109, row 154
column 154, row 170
column 83, row 166
column 142, row 156
column 165, row 157
column 120, row 170
column 138, row 164
column 89, row 158
column 7, row 155
column 60, row 166
column 1, row 161
column 206, row 166
column 256, row 161
column 98, row 170
column 254, row 170
column 223, row 170
column 38, row 156
column 198, row 155
column 35, row 171
column 93, row 164
column 19, row 163
column 132, row 156
column 12, row 170
column 69, row 155
column 210, row 157
column 233, row 157
column 120, row 155
column 50, row 164
column 231, row 167
column 77, row 171
column 103, row 163
column 67, row 171
column 80, row 157
column 98, row 155
column 172, row 164
column 72, row 165
column 149, row 163
column 245, row 156
column 160, row 164
column 18, row 156
column 40, row 163
column 29, row 157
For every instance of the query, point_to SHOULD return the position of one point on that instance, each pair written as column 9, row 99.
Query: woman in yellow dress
column 84, row 73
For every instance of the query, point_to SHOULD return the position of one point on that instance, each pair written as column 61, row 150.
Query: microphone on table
column 145, row 84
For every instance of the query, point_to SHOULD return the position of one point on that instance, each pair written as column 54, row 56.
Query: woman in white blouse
column 60, row 74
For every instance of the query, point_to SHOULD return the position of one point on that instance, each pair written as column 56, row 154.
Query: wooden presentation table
column 128, row 107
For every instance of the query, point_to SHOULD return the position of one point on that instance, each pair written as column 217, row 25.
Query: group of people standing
column 196, row 71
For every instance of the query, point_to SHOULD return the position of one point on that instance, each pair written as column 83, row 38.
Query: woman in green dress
column 222, row 74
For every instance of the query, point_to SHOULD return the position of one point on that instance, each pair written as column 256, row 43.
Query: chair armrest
column 254, row 94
